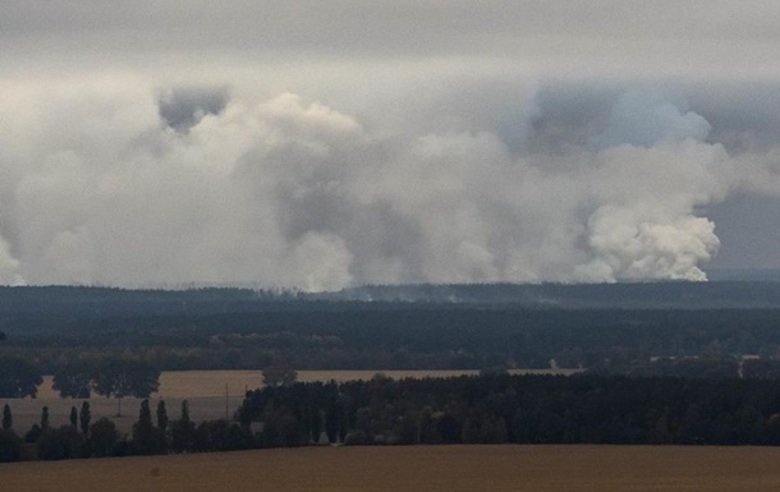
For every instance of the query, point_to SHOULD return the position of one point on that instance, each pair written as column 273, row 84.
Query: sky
column 318, row 145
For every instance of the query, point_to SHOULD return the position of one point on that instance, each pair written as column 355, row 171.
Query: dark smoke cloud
column 183, row 108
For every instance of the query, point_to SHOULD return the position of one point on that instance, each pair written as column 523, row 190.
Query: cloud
column 613, row 39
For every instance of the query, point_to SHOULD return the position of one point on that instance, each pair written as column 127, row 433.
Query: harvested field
column 419, row 468
column 204, row 390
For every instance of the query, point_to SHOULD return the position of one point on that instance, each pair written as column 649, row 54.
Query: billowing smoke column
column 119, row 186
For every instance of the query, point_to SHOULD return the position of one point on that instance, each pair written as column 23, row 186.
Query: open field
column 419, row 468
column 204, row 390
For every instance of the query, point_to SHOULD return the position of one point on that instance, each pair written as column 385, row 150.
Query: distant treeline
column 520, row 409
column 402, row 336
column 490, row 408
column 74, row 303
column 619, row 329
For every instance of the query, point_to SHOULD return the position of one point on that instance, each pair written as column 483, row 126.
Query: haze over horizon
column 325, row 144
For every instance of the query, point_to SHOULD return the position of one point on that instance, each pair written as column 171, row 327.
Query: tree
column 493, row 371
column 146, row 439
column 8, row 419
column 126, row 377
column 429, row 432
column 85, row 417
column 103, row 437
column 74, row 417
column 470, row 433
column 60, row 444
column 144, row 423
column 449, row 429
column 45, row 418
column 492, row 431
column 212, row 435
column 10, row 446
column 406, row 429
column 73, row 380
column 33, row 434
column 162, row 416
column 281, row 429
column 183, row 431
column 279, row 373
column 18, row 378
column 332, row 421
column 316, row 425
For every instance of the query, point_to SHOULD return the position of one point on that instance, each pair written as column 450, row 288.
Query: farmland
column 424, row 468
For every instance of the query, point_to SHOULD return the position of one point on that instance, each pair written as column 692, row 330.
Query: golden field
column 416, row 468
column 204, row 390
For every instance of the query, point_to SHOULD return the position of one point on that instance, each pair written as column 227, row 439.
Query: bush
column 10, row 446
column 61, row 444
column 356, row 438
column 103, row 438
column 33, row 434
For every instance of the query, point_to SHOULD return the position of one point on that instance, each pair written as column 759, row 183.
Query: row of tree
column 134, row 375
column 520, row 409
column 83, row 439
column 490, row 408
column 78, row 378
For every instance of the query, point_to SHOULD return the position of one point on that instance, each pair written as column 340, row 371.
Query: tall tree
column 183, row 431
column 145, row 439
column 74, row 417
column 316, row 425
column 8, row 419
column 185, row 411
column 45, row 418
column 332, row 421
column 85, row 417
column 162, row 416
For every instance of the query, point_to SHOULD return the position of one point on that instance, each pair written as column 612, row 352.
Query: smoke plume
column 142, row 185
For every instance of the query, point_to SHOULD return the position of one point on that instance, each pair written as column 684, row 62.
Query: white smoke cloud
column 645, row 118
column 102, row 185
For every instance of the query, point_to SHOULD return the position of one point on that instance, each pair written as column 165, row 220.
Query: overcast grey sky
column 323, row 144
